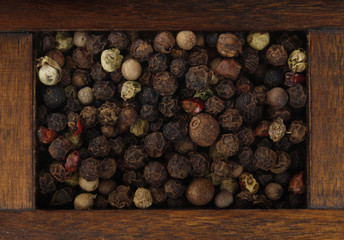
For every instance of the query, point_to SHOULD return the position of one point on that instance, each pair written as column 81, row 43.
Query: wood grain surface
column 212, row 15
column 326, row 166
column 16, row 122
column 164, row 224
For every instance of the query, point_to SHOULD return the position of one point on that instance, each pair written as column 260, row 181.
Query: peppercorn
column 225, row 89
column 214, row 105
column 133, row 177
column 165, row 83
column 276, row 55
column 262, row 130
column 297, row 132
column 259, row 94
column 258, row 40
column 82, row 58
column 284, row 114
column 228, row 45
column 57, row 56
column 251, row 60
column 290, row 42
column 198, row 56
column 88, row 186
column 186, row 40
column 49, row 72
column 81, row 78
column 80, row 39
column 103, row 90
column 243, row 85
column 231, row 185
column 211, row 39
column 84, row 201
column 89, row 116
column 223, row 199
column 99, row 147
column 248, row 182
column 174, row 189
column 168, row 106
column 297, row 60
column 111, row 59
column 282, row 164
column 59, row 172
column 117, row 146
column 90, row 169
column 140, row 128
column 158, row 63
column 177, row 52
column 46, row 135
column 192, row 105
column 277, row 130
column 62, row 197
column 265, row 158
column 198, row 77
column 118, row 40
column 85, row 96
column 230, row 120
column 178, row 166
column 116, row 76
column 100, row 202
column 293, row 78
column 158, row 194
column 185, row 145
column 141, row 50
column 149, row 112
column 135, row 157
column 95, row 44
column 273, row 191
column 277, row 98
column 47, row 183
column 164, row 42
column 246, row 136
column 273, row 78
column 204, row 129
column 143, row 198
column 64, row 41
column 178, row 67
column 48, row 41
column 246, row 159
column 72, row 162
column 131, row 69
column 71, row 92
column 59, row 148
column 66, row 77
column 204, row 94
column 121, row 197
column 297, row 96
column 108, row 168
column 155, row 173
column 155, row 144
column 227, row 145
column 200, row 191
column 228, row 69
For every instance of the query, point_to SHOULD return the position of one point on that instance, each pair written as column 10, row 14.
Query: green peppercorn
column 130, row 89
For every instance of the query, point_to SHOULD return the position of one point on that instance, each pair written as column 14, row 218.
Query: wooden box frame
column 323, row 218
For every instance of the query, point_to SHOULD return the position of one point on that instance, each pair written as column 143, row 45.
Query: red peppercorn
column 293, row 78
column 46, row 135
column 192, row 105
column 262, row 130
column 72, row 162
column 296, row 184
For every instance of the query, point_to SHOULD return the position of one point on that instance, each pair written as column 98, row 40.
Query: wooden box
column 323, row 218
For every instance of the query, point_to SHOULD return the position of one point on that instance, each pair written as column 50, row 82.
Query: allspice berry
column 273, row 191
column 143, row 198
column 277, row 98
column 84, row 201
column 186, row 40
column 88, row 186
column 200, row 191
column 204, row 129
column 228, row 45
column 131, row 69
column 258, row 40
column 85, row 96
column 223, row 199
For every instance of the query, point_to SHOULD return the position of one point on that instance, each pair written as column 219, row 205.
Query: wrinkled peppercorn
column 149, row 112
column 297, row 132
column 230, row 120
column 214, row 105
column 95, row 44
column 103, row 90
column 90, row 169
column 54, row 96
column 133, row 177
column 141, row 50
column 62, row 197
column 135, row 157
column 168, row 106
column 178, row 67
column 59, row 148
column 227, row 145
column 297, row 96
column 47, row 183
column 246, row 136
column 118, row 40
column 165, row 83
column 174, row 189
column 198, row 77
column 82, row 58
column 155, row 173
column 265, row 158
column 57, row 122
column 97, row 72
column 225, row 89
column 158, row 63
column 59, row 172
column 276, row 55
column 228, row 45
column 155, row 144
column 228, row 69
column 164, row 42
column 178, row 166
column 81, row 78
column 121, row 197
column 198, row 56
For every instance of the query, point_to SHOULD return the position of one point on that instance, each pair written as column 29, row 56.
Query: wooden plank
column 165, row 224
column 172, row 15
column 326, row 167
column 16, row 122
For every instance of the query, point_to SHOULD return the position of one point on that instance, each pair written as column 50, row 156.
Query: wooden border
column 212, row 15
column 167, row 224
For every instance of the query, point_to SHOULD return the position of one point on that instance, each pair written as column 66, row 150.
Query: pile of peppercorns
column 171, row 119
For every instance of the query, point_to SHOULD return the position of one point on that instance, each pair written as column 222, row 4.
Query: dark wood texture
column 16, row 122
column 173, row 15
column 326, row 153
column 164, row 224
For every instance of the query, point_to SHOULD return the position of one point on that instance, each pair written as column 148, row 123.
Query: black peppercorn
column 141, row 50
column 227, row 145
column 109, row 113
column 243, row 85
column 178, row 67
column 164, row 42
column 99, row 147
column 211, row 39
column 135, row 157
column 228, row 45
column 246, row 159
column 265, row 158
column 226, row 170
column 198, row 77
column 225, row 89
column 95, row 44
column 178, row 166
column 82, row 58
column 103, row 90
column 200, row 164
column 174, row 188
column 149, row 112
column 100, row 202
column 228, row 69
column 116, row 76
column 246, row 136
column 46, row 183
column 118, row 40
column 185, row 145
column 54, row 96
column 56, row 55
column 159, row 195
column 276, row 55
column 121, row 197
column 214, row 105
column 155, row 144
column 175, row 130
column 297, row 132
column 231, row 120
column 57, row 122
column 168, row 106
column 198, row 56
column 59, row 148
column 62, row 197
column 297, row 96
column 165, row 83
column 90, row 169
column 273, row 78
column 155, row 173
column 158, row 63
column 59, row 172
column 89, row 116
column 97, row 72
column 81, row 78
column 251, row 60
column 117, row 146
column 134, row 178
